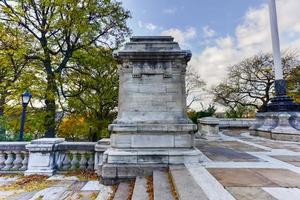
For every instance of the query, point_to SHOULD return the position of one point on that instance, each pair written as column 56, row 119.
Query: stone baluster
column 9, row 161
column 25, row 160
column 66, row 164
column 74, row 161
column 91, row 161
column 2, row 159
column 83, row 160
column 17, row 164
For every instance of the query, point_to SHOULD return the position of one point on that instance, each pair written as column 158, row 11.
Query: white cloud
column 208, row 32
column 150, row 26
column 140, row 24
column 251, row 36
column 181, row 36
column 170, row 11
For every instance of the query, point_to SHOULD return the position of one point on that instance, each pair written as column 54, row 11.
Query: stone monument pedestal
column 152, row 129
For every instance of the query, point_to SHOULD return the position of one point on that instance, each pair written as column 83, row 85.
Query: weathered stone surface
column 22, row 196
column 282, row 177
column 185, row 185
column 208, row 128
column 249, row 193
column 161, row 186
column 152, row 126
column 236, row 123
column 277, row 126
column 283, row 193
column 82, row 195
column 294, row 160
column 63, row 183
column 13, row 146
column 7, row 180
column 42, row 156
column 104, row 193
column 51, row 193
column 7, row 194
column 79, row 146
column 91, row 185
column 60, row 177
column 219, row 152
column 140, row 189
column 122, row 191
column 77, row 185
column 240, row 178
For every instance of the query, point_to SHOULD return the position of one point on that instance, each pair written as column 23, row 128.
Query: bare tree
column 251, row 82
column 194, row 86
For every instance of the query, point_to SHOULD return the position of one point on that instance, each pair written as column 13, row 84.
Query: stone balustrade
column 75, row 156
column 13, row 157
column 48, row 155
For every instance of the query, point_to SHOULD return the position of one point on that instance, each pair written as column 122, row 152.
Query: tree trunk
column 2, row 103
column 49, row 122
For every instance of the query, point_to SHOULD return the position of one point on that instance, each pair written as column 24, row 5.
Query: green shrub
column 194, row 115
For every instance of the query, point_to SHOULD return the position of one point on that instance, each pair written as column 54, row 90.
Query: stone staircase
column 175, row 184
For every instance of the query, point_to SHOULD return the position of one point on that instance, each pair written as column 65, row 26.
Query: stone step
column 140, row 189
column 122, row 192
column 161, row 186
column 185, row 185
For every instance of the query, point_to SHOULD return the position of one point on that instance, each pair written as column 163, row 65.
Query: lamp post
column 279, row 81
column 281, row 102
column 26, row 96
column 280, row 119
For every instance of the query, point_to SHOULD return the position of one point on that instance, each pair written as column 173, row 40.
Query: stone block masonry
column 152, row 128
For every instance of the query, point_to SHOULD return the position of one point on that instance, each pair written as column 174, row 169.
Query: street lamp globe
column 26, row 96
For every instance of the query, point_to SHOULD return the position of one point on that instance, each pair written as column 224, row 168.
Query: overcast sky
column 219, row 32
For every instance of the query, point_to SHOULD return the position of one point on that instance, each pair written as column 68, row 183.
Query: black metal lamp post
column 26, row 96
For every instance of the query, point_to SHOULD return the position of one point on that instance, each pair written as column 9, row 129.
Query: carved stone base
column 129, row 163
column 277, row 126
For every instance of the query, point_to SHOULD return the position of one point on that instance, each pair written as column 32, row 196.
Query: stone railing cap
column 209, row 120
column 47, row 141
column 12, row 146
column 105, row 141
column 79, row 146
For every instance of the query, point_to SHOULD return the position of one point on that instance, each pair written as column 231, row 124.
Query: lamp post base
column 280, row 119
column 282, row 104
column 277, row 126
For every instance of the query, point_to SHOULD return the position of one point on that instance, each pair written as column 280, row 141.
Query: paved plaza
column 235, row 166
